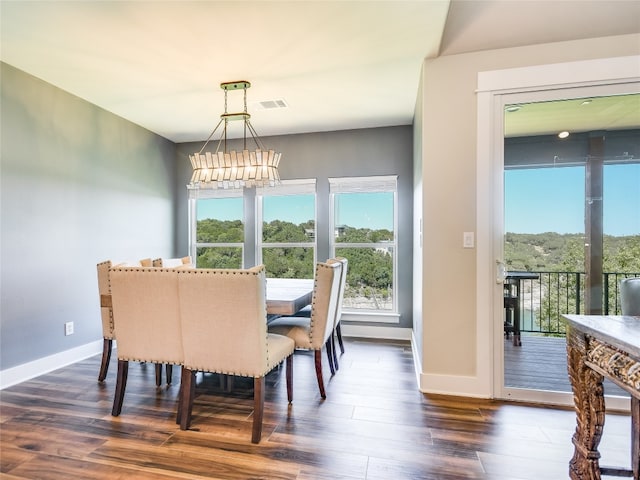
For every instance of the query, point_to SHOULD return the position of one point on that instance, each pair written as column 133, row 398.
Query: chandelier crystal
column 223, row 169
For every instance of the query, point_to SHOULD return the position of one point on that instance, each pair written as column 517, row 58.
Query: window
column 286, row 228
column 364, row 225
column 216, row 219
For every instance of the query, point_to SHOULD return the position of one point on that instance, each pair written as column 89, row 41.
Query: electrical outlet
column 68, row 328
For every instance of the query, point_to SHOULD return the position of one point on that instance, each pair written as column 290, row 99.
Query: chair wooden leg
column 121, row 385
column 339, row 335
column 290, row 378
column 635, row 437
column 106, row 358
column 318, row 358
column 158, row 374
column 169, row 373
column 179, row 410
column 327, row 345
column 258, row 409
column 188, row 385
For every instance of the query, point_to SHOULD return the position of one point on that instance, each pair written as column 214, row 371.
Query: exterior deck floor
column 541, row 364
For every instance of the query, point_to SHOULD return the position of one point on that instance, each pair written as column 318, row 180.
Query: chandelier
column 223, row 169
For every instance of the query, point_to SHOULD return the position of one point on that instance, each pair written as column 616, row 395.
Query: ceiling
column 619, row 112
column 335, row 64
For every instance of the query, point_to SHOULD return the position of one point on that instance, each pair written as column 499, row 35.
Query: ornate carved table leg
column 588, row 396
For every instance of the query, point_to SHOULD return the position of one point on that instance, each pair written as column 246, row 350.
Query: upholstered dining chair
column 106, row 312
column 337, row 330
column 224, row 330
column 146, row 316
column 336, row 324
column 630, row 296
column 179, row 263
column 315, row 332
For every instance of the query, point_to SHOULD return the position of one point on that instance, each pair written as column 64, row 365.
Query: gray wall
column 350, row 153
column 79, row 185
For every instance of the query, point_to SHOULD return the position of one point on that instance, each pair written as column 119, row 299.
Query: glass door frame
column 495, row 90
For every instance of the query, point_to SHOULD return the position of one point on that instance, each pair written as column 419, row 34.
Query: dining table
column 286, row 296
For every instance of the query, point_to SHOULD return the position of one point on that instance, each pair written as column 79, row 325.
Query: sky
column 552, row 200
column 366, row 210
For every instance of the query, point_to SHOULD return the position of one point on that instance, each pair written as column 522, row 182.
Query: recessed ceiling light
column 564, row 134
column 586, row 102
column 513, row 108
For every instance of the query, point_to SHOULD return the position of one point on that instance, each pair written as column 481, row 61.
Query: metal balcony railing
column 544, row 300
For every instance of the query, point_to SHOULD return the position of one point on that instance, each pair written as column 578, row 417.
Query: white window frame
column 196, row 194
column 286, row 187
column 371, row 184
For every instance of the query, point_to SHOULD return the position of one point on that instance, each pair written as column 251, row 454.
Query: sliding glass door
column 571, row 226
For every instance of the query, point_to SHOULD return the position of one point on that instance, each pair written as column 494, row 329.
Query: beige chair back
column 224, row 326
column 105, row 299
column 104, row 291
column 324, row 302
column 106, row 312
column 343, row 285
column 146, row 314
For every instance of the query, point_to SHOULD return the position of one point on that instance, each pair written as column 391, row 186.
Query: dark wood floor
column 374, row 424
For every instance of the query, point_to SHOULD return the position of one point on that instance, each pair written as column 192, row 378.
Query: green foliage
column 219, row 257
column 370, row 272
column 364, row 235
column 555, row 252
column 369, row 276
column 368, row 267
column 220, row 231
column 288, row 262
column 621, row 254
column 536, row 252
column 278, row 231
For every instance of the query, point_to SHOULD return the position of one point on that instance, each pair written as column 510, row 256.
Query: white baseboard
column 375, row 331
column 455, row 385
column 12, row 376
column 27, row 371
column 417, row 361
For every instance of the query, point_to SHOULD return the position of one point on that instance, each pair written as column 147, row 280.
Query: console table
column 601, row 346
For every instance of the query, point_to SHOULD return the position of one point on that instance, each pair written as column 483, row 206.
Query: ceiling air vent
column 271, row 104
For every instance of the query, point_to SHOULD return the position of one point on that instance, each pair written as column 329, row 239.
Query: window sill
column 371, row 316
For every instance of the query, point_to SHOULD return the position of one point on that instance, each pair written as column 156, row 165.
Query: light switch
column 468, row 240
